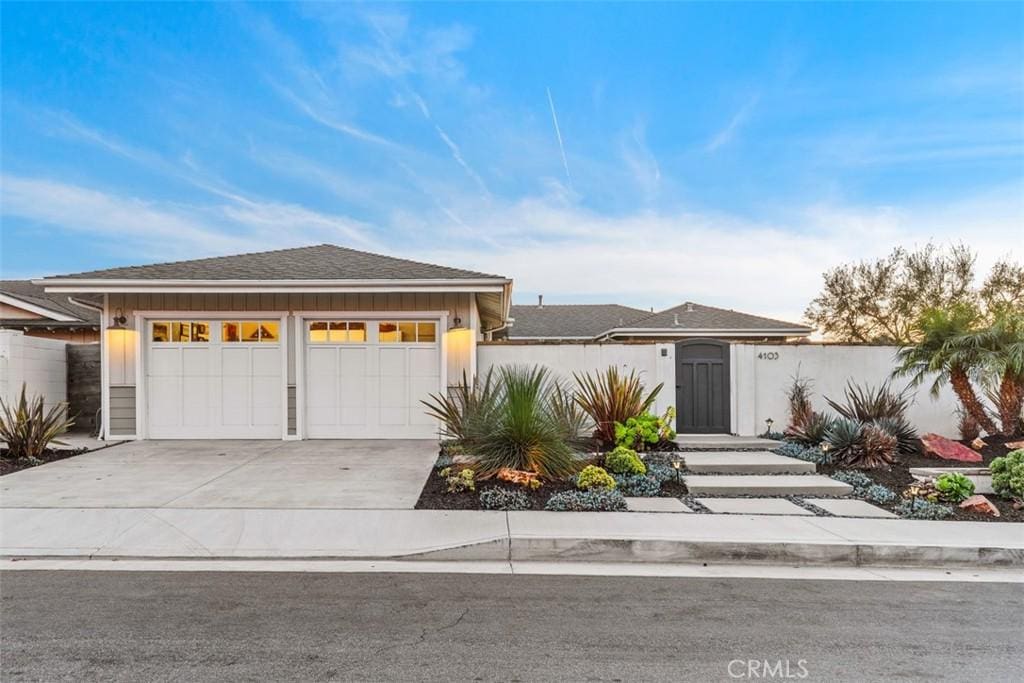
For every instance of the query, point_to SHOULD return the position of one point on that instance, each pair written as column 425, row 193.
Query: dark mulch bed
column 9, row 466
column 898, row 478
column 435, row 494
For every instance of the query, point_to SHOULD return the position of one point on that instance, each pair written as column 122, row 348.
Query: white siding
column 40, row 363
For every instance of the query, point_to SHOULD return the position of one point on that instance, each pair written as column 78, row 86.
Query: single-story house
column 313, row 342
column 29, row 308
column 613, row 322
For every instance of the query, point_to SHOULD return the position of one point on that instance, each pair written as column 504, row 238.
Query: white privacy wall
column 762, row 373
column 654, row 362
column 40, row 363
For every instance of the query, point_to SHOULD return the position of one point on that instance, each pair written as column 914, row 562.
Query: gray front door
column 702, row 387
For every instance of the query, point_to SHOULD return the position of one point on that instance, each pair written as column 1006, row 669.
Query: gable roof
column 691, row 316
column 569, row 321
column 320, row 262
column 36, row 297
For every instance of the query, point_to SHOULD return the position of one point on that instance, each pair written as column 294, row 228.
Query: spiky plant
column 524, row 432
column 939, row 353
column 799, row 398
column 812, row 430
column 610, row 396
column 861, row 445
column 882, row 407
column 573, row 420
column 464, row 405
column 29, row 429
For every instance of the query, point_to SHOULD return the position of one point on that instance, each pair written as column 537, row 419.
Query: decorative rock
column 980, row 504
column 978, row 444
column 1014, row 445
column 947, row 449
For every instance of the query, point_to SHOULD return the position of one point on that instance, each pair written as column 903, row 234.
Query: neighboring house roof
column 595, row 321
column 320, row 262
column 52, row 309
column 569, row 321
column 697, row 317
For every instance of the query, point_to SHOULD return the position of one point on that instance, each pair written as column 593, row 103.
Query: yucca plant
column 799, row 398
column 526, row 431
column 28, row 429
column 609, row 397
column 464, row 405
column 882, row 407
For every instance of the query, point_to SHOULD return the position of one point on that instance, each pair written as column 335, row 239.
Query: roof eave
column 104, row 285
column 709, row 332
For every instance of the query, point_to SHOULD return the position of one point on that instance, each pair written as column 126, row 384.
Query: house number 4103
column 768, row 355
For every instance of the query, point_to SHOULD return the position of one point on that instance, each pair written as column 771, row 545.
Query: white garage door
column 213, row 379
column 365, row 378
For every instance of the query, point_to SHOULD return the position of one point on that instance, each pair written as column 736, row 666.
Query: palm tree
column 942, row 350
column 999, row 349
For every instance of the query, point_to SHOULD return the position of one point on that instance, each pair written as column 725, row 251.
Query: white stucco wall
column 40, row 363
column 760, row 381
column 654, row 362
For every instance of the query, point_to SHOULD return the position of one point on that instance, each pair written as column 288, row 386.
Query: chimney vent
column 540, row 301
column 676, row 320
column 689, row 307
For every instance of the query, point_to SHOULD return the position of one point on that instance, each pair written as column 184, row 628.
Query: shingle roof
column 699, row 317
column 320, row 262
column 24, row 290
column 593, row 320
column 569, row 320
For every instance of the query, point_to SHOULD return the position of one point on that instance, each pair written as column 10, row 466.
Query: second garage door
column 365, row 378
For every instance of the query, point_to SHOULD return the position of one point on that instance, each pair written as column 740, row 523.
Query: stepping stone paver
column 656, row 505
column 754, row 506
column 725, row 441
column 848, row 508
column 766, row 485
column 744, row 462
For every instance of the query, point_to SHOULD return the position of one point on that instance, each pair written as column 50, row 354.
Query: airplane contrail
column 558, row 134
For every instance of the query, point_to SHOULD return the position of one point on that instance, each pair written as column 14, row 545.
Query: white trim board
column 15, row 302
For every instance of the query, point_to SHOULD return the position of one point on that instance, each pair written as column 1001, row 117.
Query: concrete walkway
column 725, row 442
column 204, row 474
column 520, row 536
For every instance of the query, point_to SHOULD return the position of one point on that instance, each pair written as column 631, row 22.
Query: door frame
column 142, row 320
column 726, row 360
column 301, row 317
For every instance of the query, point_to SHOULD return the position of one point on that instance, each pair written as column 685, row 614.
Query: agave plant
column 464, row 405
column 882, row 407
column 812, row 429
column 28, row 429
column 861, row 445
column 526, row 431
column 611, row 397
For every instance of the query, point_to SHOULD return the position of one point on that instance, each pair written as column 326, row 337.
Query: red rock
column 947, row 449
column 980, row 504
column 978, row 444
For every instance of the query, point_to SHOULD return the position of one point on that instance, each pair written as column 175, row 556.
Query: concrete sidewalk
column 175, row 533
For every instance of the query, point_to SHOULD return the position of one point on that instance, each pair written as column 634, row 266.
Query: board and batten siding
column 121, row 345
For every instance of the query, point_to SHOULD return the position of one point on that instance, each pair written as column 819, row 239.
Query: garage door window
column 174, row 331
column 250, row 331
column 407, row 332
column 337, row 332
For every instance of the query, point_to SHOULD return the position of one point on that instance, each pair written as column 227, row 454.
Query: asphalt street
column 186, row 626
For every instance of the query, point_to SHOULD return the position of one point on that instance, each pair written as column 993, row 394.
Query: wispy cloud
column 325, row 118
column 558, row 134
column 640, row 160
column 731, row 129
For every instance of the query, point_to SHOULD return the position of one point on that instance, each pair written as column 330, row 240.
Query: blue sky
column 641, row 154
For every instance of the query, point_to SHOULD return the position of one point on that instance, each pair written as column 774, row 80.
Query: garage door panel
column 234, row 361
column 195, row 362
column 165, row 362
column 424, row 363
column 165, row 402
column 421, row 388
column 195, row 405
column 266, row 362
column 392, row 362
column 235, row 401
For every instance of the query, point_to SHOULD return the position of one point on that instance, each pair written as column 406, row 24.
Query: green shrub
column 623, row 460
column 597, row 500
column 464, row 408
column 503, row 499
column 638, row 485
column 954, row 487
column 611, row 397
column 661, row 472
column 28, row 430
column 876, row 493
column 462, row 480
column 1008, row 474
column 810, row 454
column 645, row 431
column 594, row 477
column 919, row 508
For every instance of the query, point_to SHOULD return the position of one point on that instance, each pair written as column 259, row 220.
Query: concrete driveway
column 230, row 474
